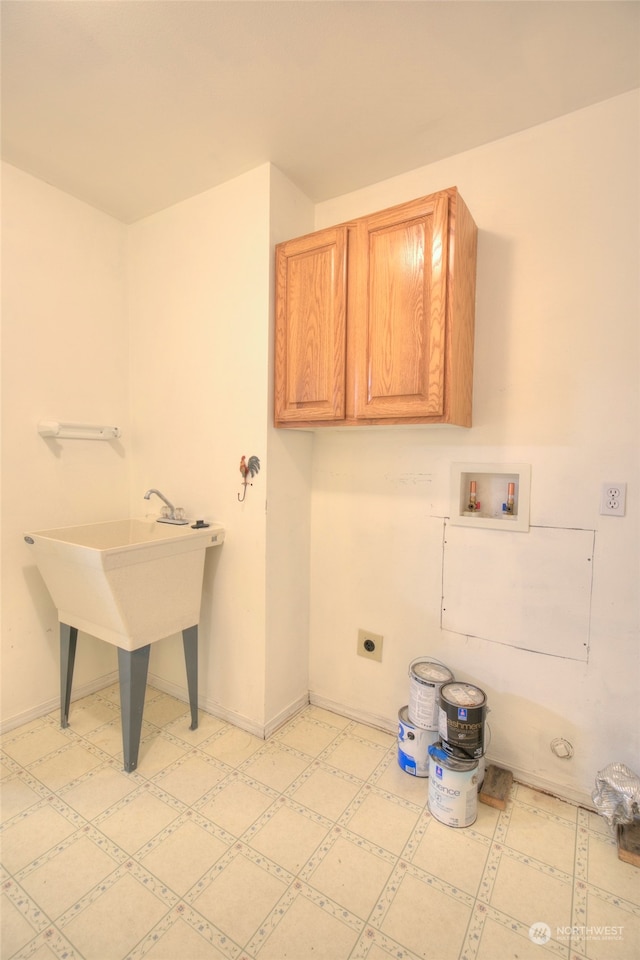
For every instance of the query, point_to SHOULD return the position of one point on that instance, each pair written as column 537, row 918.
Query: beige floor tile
column 207, row 726
column 91, row 712
column 17, row 796
column 16, row 930
column 530, row 895
column 326, row 792
column 158, row 752
column 109, row 737
column 239, row 898
column 33, row 835
column 165, row 709
column 37, row 743
column 394, row 780
column 182, row 941
column 499, row 942
column 352, row 876
column 377, row 952
column 608, row 872
column 183, row 856
column 276, row 767
column 134, row 822
column 543, row 801
column 406, row 920
column 598, row 824
column 233, row 746
column 236, row 806
column 190, row 778
column 382, row 737
column 101, row 789
column 44, row 953
column 611, row 932
column 5, row 771
column 541, row 837
column 111, row 925
column 308, row 736
column 70, row 764
column 452, row 855
column 487, row 821
column 112, row 692
column 288, row 838
column 326, row 716
column 382, row 821
column 355, row 757
column 64, row 878
column 306, row 930
column 23, row 728
column 321, row 813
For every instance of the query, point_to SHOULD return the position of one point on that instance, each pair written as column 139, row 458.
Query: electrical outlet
column 369, row 645
column 613, row 498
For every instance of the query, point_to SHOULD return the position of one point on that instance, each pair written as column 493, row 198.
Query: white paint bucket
column 413, row 745
column 426, row 679
column 453, row 788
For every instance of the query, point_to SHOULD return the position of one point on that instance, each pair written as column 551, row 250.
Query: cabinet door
column 398, row 315
column 310, row 350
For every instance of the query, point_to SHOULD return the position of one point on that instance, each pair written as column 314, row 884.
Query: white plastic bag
column 617, row 794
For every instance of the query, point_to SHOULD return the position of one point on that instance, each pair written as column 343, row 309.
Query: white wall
column 64, row 355
column 200, row 300
column 556, row 386
column 198, row 312
column 289, row 505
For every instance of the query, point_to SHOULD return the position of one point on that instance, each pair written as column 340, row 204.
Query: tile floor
column 314, row 844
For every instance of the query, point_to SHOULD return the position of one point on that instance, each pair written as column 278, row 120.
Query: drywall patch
column 529, row 590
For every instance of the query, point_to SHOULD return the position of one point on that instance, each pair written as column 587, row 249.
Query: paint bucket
column 413, row 745
column 463, row 708
column 453, row 788
column 426, row 680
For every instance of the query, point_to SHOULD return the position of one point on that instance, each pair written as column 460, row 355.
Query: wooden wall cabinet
column 375, row 318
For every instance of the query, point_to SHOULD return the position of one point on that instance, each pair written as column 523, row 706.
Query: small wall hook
column 248, row 468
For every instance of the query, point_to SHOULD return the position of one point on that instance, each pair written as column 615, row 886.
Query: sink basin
column 129, row 582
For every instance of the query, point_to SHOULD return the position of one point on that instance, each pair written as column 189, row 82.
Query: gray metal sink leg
column 190, row 643
column 133, row 666
column 68, row 642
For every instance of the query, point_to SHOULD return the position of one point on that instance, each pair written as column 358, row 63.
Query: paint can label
column 426, row 680
column 413, row 746
column 453, row 789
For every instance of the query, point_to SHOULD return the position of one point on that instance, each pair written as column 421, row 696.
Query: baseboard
column 285, row 715
column 261, row 730
column 42, row 709
column 578, row 797
column 362, row 716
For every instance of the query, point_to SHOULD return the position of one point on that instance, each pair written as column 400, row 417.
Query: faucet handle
column 179, row 513
column 165, row 512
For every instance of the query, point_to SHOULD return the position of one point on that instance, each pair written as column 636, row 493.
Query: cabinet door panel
column 311, row 327
column 400, row 312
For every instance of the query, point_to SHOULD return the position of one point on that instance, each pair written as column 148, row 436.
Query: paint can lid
column 463, row 694
column 426, row 671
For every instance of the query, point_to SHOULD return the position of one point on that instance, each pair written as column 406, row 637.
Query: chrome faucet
column 176, row 514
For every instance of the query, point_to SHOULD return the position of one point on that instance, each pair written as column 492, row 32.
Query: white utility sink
column 129, row 582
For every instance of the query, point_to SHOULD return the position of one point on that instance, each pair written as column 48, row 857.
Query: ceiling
column 133, row 105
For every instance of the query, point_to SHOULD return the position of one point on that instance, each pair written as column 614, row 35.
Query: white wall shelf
column 62, row 430
column 493, row 484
